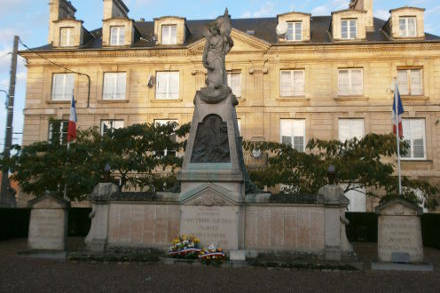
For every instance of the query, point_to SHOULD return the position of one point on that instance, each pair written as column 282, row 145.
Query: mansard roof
column 261, row 28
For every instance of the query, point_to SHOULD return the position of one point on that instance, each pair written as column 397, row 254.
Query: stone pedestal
column 97, row 238
column 399, row 232
column 48, row 223
column 335, row 237
column 214, row 153
column 212, row 176
column 209, row 213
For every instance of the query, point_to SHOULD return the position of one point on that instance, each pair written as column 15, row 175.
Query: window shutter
column 298, row 134
column 411, row 27
column 353, row 29
column 286, row 89
column 344, row 29
column 161, row 85
column 419, row 149
column 416, row 82
column 356, row 81
column 173, row 36
column 290, row 31
column 402, row 82
column 121, row 85
column 298, row 31
column 343, row 82
column 298, row 87
column 287, row 140
column 174, row 85
column 108, row 84
column 402, row 27
column 113, row 35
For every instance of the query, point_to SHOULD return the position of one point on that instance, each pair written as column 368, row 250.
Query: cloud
column 268, row 9
column 382, row 14
column 321, row 10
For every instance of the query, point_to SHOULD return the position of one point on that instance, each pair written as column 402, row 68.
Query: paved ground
column 23, row 274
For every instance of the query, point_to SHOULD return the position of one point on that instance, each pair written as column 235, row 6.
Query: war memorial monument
column 217, row 201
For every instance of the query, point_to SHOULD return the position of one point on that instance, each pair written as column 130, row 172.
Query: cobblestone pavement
column 24, row 274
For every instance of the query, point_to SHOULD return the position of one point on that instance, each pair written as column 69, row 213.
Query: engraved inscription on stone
column 47, row 229
column 218, row 225
column 402, row 235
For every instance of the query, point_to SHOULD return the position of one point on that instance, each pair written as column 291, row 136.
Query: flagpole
column 68, row 148
column 396, row 122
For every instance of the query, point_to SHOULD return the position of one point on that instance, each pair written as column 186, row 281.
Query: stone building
column 297, row 76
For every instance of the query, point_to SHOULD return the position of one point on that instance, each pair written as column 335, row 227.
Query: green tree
column 360, row 164
column 134, row 154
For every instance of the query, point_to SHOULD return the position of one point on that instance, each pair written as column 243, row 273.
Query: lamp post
column 7, row 198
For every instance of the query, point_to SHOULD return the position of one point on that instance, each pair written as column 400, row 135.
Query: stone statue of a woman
column 218, row 44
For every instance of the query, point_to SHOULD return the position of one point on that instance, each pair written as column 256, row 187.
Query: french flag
column 71, row 131
column 397, row 113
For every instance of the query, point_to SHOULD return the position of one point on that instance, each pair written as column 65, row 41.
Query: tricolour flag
column 397, row 112
column 71, row 131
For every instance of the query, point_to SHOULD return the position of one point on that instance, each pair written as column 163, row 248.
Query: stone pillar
column 97, row 238
column 399, row 232
column 335, row 238
column 48, row 223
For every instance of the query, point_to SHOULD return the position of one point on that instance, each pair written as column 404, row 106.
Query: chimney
column 115, row 9
column 58, row 10
column 366, row 5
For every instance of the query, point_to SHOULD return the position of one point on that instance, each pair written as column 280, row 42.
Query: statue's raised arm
column 218, row 44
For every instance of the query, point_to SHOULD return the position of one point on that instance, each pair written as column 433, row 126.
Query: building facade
column 297, row 76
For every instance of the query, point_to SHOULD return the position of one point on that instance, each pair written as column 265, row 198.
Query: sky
column 29, row 20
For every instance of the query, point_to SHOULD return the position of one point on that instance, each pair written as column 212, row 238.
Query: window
column 169, row 34
column 294, row 31
column 166, row 152
column 291, row 83
column 351, row 128
column 348, row 29
column 239, row 125
column 293, row 132
column 117, row 35
column 407, row 26
column 234, row 82
column 167, row 85
column 66, row 37
column 62, row 86
column 351, row 81
column 414, row 135
column 114, row 86
column 410, row 82
column 58, row 131
column 110, row 125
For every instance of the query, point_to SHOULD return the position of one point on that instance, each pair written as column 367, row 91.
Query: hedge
column 14, row 223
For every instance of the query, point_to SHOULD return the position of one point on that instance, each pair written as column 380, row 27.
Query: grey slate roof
column 264, row 29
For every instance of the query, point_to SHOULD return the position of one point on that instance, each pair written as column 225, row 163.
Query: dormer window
column 66, row 37
column 117, row 35
column 407, row 26
column 169, row 36
column 348, row 29
column 294, row 31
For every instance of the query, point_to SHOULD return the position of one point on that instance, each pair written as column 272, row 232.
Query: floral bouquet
column 212, row 255
column 185, row 246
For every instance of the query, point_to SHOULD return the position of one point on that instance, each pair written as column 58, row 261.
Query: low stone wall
column 143, row 224
column 267, row 227
column 296, row 227
column 263, row 223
